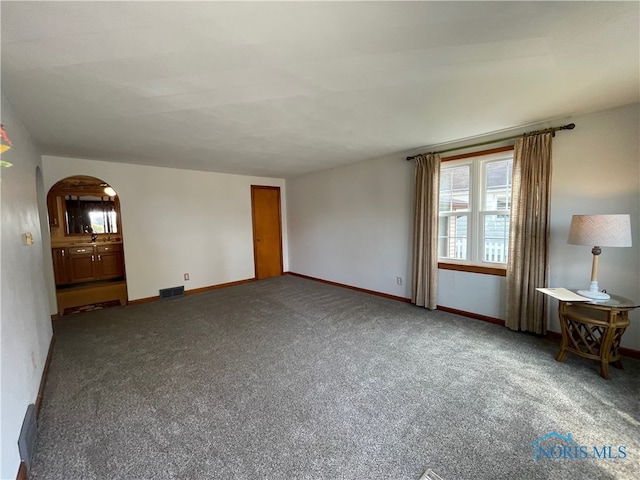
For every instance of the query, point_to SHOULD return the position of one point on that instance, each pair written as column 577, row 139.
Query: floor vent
column 171, row 292
column 27, row 438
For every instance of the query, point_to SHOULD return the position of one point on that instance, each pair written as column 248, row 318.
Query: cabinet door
column 60, row 267
column 82, row 264
column 52, row 208
column 110, row 262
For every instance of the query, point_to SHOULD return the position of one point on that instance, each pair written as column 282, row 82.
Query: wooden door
column 267, row 231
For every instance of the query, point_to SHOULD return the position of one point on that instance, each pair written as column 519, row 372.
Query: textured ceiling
column 283, row 89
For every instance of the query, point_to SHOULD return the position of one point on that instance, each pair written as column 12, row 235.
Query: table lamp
column 599, row 231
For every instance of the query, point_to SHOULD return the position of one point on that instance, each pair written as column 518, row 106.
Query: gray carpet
column 287, row 378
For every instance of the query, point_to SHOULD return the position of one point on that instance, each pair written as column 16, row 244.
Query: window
column 475, row 204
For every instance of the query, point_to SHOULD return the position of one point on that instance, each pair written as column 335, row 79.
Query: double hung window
column 474, row 209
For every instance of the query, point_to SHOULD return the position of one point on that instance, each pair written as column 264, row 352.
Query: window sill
column 460, row 267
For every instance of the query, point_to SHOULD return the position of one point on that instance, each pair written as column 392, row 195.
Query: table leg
column 562, row 354
column 606, row 344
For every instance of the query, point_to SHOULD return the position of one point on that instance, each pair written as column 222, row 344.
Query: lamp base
column 594, row 293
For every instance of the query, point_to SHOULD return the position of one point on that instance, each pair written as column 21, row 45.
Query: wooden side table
column 594, row 329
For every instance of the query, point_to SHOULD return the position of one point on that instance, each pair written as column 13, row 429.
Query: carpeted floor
column 287, row 378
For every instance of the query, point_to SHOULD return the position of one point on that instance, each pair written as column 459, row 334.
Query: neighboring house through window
column 475, row 204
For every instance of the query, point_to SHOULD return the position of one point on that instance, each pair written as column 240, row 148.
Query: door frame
column 253, row 226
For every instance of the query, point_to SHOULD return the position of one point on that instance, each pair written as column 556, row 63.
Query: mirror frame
column 56, row 199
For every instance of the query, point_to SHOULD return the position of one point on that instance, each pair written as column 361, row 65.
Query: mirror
column 83, row 206
column 90, row 215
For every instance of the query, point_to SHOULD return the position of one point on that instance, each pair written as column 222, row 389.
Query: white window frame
column 477, row 210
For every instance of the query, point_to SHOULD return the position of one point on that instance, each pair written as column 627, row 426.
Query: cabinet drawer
column 109, row 248
column 80, row 250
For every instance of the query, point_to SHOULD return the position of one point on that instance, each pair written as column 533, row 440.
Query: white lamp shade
column 600, row 230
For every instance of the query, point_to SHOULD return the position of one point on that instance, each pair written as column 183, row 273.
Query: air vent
column 171, row 292
column 27, row 438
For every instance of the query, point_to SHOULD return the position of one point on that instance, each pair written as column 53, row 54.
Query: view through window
column 475, row 204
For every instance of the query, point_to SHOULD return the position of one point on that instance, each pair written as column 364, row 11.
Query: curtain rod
column 552, row 130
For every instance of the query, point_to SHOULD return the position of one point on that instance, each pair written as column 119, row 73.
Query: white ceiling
column 283, row 89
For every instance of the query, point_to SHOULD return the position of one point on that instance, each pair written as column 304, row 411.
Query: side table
column 594, row 329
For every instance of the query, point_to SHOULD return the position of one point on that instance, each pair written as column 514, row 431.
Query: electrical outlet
column 399, row 280
column 186, row 276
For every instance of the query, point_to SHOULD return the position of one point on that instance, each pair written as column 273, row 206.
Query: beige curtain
column 527, row 265
column 425, row 230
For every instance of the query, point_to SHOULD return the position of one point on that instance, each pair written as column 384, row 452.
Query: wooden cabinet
column 80, row 264
column 53, row 210
column 82, row 267
column 60, row 268
column 110, row 261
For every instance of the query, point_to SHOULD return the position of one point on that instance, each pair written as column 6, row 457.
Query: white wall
column 25, row 323
column 353, row 224
column 177, row 221
column 483, row 294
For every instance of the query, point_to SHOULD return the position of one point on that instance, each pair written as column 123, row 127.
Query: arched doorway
column 46, row 240
column 86, row 244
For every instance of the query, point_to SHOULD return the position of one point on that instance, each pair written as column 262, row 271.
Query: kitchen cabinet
column 53, row 210
column 82, row 267
column 88, row 263
column 110, row 261
column 60, row 268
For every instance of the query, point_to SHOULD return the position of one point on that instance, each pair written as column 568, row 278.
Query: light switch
column 28, row 238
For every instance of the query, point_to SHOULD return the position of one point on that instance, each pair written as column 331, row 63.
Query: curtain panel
column 425, row 231
column 528, row 260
